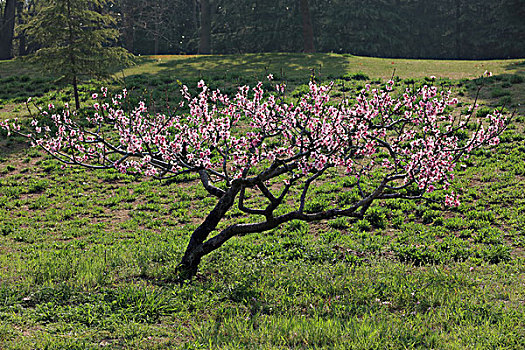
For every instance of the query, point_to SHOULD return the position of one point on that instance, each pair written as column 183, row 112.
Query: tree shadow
column 12, row 144
column 503, row 90
column 286, row 66
column 520, row 66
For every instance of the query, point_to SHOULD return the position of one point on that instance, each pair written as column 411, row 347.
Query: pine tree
column 76, row 38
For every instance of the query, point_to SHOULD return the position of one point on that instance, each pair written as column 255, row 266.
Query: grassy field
column 298, row 66
column 157, row 77
column 88, row 258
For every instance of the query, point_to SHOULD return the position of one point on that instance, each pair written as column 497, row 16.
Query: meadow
column 88, row 258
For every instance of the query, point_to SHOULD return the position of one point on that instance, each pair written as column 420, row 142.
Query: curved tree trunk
column 194, row 251
column 7, row 30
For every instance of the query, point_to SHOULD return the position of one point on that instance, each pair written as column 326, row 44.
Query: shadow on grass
column 502, row 90
column 12, row 146
column 286, row 66
column 520, row 66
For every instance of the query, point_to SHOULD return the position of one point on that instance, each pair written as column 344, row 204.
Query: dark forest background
column 446, row 29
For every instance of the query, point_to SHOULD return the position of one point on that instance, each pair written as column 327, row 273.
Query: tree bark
column 194, row 252
column 74, row 79
column 308, row 30
column 156, row 39
column 22, row 45
column 75, row 91
column 194, row 18
column 21, row 36
column 128, row 36
column 7, row 30
column 205, row 28
column 458, row 29
column 199, row 244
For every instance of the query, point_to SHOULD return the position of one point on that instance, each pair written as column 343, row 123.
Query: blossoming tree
column 403, row 145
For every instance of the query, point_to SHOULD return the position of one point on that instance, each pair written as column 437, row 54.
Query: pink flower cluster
column 412, row 137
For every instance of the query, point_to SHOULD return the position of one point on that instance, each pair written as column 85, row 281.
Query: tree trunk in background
column 75, row 92
column 205, row 28
column 194, row 15
column 458, row 29
column 21, row 35
column 156, row 37
column 127, row 30
column 22, row 45
column 308, row 30
column 7, row 30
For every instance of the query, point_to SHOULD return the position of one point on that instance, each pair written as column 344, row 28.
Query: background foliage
column 386, row 28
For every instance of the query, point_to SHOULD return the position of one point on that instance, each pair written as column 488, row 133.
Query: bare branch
column 266, row 192
column 214, row 191
column 307, row 186
column 245, row 209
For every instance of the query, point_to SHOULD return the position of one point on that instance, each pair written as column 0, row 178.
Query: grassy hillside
column 298, row 66
column 160, row 74
column 88, row 258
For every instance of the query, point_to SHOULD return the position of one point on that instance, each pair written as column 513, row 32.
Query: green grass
column 158, row 78
column 298, row 66
column 88, row 258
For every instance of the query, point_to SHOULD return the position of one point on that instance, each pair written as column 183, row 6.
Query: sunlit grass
column 88, row 258
column 299, row 66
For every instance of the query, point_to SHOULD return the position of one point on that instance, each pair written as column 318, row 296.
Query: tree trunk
column 127, row 26
column 205, row 28
column 194, row 252
column 22, row 45
column 156, row 39
column 75, row 91
column 21, row 36
column 194, row 19
column 458, row 29
column 157, row 19
column 7, row 30
column 308, row 30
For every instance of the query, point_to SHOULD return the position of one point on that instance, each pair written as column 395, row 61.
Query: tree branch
column 245, row 209
column 205, row 179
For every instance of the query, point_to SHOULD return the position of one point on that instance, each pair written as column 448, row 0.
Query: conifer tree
column 76, row 39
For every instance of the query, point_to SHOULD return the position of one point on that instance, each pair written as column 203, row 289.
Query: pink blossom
column 231, row 135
